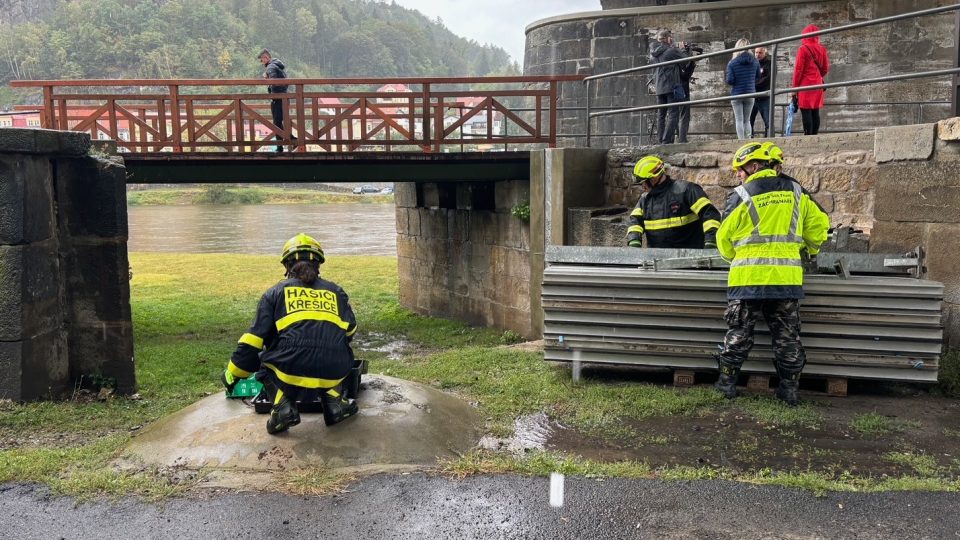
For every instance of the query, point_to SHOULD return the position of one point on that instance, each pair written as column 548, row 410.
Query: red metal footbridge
column 223, row 130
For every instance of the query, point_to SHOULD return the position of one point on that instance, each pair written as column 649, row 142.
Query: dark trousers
column 668, row 119
column 811, row 121
column 684, row 122
column 276, row 108
column 760, row 105
column 783, row 320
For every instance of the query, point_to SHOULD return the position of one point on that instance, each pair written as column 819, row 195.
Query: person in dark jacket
column 686, row 73
column 672, row 213
column 761, row 105
column 299, row 340
column 667, row 84
column 742, row 74
column 274, row 69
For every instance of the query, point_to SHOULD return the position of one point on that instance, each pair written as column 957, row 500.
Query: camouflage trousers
column 783, row 320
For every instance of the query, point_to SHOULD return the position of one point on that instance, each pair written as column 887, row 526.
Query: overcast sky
column 497, row 22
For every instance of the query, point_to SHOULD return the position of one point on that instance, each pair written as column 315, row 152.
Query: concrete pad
column 400, row 424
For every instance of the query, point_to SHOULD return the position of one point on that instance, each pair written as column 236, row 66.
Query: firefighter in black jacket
column 672, row 213
column 300, row 339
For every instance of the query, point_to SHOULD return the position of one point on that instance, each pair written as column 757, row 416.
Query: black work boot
column 788, row 391
column 336, row 409
column 283, row 416
column 727, row 382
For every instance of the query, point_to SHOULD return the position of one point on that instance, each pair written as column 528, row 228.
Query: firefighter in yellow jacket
column 300, row 339
column 672, row 213
column 768, row 220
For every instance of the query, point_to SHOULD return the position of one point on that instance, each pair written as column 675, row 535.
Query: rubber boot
column 283, row 415
column 789, row 388
column 727, row 382
column 335, row 408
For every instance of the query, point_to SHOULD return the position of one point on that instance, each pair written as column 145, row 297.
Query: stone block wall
column 599, row 42
column 917, row 203
column 64, row 291
column 838, row 170
column 461, row 254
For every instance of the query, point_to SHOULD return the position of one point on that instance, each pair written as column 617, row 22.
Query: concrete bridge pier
column 64, row 290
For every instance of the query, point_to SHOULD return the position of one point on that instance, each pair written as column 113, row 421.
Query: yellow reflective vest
column 767, row 221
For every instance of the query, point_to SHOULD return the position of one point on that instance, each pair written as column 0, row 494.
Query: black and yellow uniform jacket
column 674, row 214
column 302, row 333
column 768, row 220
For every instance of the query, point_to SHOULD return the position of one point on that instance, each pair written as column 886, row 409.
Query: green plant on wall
column 521, row 211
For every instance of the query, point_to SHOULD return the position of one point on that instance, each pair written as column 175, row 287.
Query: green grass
column 772, row 411
column 189, row 310
column 949, row 376
column 220, row 194
column 544, row 463
column 923, row 464
column 876, row 424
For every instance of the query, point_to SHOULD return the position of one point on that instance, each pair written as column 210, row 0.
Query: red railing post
column 46, row 119
column 301, row 121
column 175, row 117
column 425, row 99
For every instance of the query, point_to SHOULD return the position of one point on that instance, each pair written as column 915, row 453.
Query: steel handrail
column 772, row 93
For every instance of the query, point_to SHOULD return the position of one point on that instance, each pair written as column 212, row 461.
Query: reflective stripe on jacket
column 302, row 333
column 767, row 221
column 674, row 214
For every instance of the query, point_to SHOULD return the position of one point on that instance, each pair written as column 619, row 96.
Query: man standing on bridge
column 769, row 219
column 274, row 69
column 673, row 213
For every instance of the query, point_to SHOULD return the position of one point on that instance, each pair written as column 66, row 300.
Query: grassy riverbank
column 247, row 195
column 190, row 309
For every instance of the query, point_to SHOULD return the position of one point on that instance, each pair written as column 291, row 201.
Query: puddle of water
column 394, row 347
column 530, row 432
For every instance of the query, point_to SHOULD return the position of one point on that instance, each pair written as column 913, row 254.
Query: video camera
column 692, row 47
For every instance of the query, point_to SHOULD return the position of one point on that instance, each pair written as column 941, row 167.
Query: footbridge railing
column 334, row 115
column 774, row 91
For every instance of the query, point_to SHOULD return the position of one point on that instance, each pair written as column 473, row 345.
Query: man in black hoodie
column 667, row 83
column 274, row 69
column 761, row 104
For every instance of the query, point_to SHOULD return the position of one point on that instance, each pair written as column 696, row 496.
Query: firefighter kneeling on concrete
column 299, row 340
column 768, row 220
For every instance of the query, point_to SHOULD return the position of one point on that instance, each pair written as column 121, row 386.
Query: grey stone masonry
column 64, row 291
column 598, row 42
column 462, row 254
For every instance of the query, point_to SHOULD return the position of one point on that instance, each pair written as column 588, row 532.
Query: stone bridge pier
column 64, row 286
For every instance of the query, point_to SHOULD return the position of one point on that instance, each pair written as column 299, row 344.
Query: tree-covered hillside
column 220, row 39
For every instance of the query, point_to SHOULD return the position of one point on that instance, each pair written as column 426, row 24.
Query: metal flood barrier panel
column 863, row 327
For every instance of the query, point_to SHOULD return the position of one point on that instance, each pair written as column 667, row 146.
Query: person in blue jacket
column 742, row 74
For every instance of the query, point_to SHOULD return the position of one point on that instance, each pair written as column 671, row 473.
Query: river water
column 342, row 229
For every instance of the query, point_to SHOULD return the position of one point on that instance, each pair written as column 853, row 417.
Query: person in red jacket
column 811, row 66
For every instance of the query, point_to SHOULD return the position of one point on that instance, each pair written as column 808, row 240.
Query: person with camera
column 667, row 83
column 686, row 74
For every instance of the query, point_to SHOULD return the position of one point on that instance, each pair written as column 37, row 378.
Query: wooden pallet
column 760, row 382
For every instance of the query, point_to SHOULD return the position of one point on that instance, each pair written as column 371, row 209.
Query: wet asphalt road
column 422, row 506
